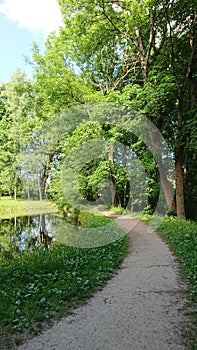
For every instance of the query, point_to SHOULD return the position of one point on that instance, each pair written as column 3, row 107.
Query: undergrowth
column 38, row 287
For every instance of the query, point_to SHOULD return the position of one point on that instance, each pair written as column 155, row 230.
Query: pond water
column 30, row 232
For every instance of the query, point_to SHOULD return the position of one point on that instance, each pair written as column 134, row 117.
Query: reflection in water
column 30, row 232
column 43, row 234
column 26, row 233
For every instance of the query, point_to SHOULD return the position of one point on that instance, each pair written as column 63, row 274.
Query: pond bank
column 142, row 307
column 42, row 283
column 10, row 208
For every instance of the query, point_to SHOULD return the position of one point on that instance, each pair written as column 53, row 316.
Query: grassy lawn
column 44, row 285
column 10, row 207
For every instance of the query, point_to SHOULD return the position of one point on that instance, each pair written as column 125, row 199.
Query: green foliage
column 181, row 235
column 46, row 284
column 138, row 54
column 182, row 238
column 90, row 220
column 15, row 125
column 141, row 54
column 117, row 210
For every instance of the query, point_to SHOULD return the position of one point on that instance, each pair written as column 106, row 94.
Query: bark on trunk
column 15, row 193
column 180, row 204
column 179, row 185
column 164, row 182
column 113, row 187
column 124, row 163
column 167, row 188
column 43, row 177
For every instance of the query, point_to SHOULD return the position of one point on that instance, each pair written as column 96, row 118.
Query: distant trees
column 140, row 55
column 15, row 125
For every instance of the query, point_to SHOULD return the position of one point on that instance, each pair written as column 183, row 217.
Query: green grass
column 117, row 210
column 181, row 236
column 11, row 208
column 40, row 286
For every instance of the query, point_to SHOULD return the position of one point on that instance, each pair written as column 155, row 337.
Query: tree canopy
column 131, row 55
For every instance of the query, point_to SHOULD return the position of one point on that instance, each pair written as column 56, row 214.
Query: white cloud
column 41, row 15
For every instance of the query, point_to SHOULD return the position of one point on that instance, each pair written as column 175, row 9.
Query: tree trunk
column 39, row 189
column 178, row 166
column 166, row 186
column 43, row 184
column 193, row 82
column 193, row 85
column 113, row 187
column 15, row 193
column 124, row 163
column 155, row 136
column 28, row 194
column 179, row 185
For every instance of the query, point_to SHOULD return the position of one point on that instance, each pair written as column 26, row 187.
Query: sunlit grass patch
column 11, row 208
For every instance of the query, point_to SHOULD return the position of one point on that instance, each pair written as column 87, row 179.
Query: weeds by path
column 181, row 235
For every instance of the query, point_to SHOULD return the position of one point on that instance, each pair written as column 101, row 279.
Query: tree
column 55, row 87
column 15, row 125
column 97, row 153
column 129, row 42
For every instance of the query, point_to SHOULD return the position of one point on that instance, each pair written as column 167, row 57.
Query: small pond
column 30, row 232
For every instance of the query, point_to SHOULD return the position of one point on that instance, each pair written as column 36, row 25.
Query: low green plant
column 117, row 210
column 181, row 235
column 93, row 219
column 39, row 286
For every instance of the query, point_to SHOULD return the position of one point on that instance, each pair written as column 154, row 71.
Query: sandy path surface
column 141, row 307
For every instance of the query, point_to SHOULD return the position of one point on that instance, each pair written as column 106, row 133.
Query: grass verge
column 46, row 284
column 181, row 236
column 10, row 208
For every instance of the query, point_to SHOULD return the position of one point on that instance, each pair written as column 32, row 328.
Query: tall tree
column 56, row 87
column 15, row 124
column 128, row 42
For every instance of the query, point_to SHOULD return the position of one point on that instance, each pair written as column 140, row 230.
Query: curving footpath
column 141, row 307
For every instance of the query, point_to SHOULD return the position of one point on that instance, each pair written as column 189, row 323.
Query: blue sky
column 23, row 22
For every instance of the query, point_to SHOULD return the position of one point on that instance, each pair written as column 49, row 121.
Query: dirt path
column 142, row 307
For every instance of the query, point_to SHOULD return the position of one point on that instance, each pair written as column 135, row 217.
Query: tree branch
column 141, row 53
column 193, row 51
column 151, row 38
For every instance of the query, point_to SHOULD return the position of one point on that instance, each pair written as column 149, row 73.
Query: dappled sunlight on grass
column 11, row 208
